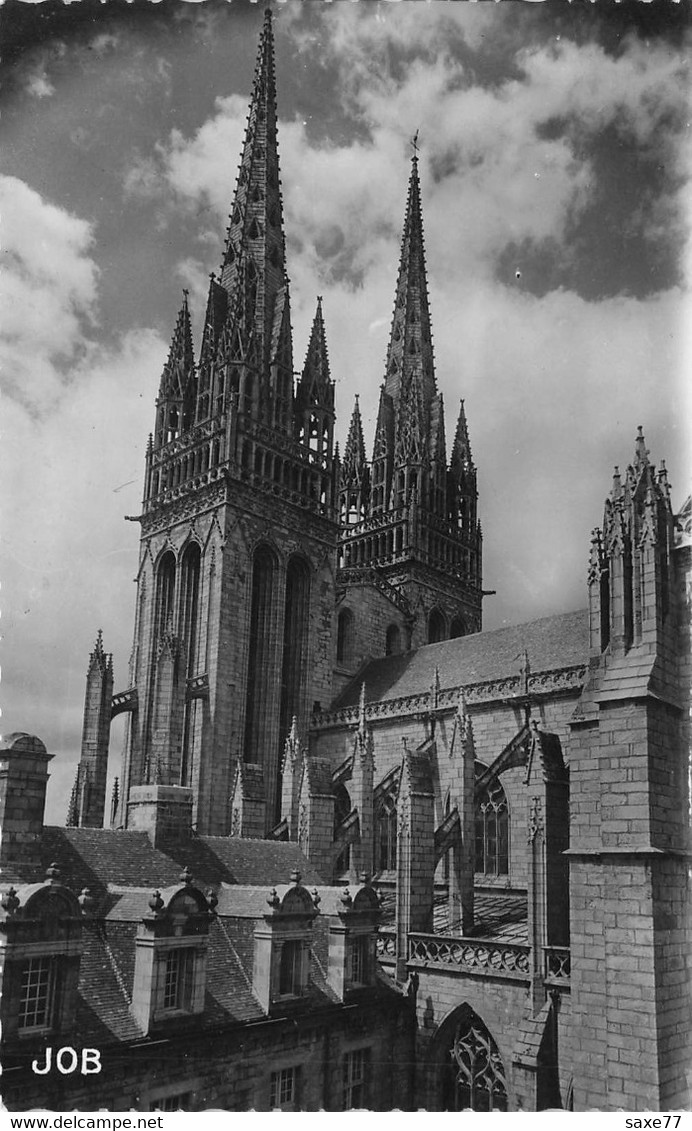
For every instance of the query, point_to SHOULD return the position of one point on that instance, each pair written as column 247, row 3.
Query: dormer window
column 178, row 979
column 171, row 955
column 359, row 972
column 37, row 1002
column 40, row 951
column 292, row 968
column 352, row 940
column 282, row 945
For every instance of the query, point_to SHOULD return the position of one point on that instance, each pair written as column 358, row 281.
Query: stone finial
column 186, row 876
column 10, row 902
column 316, row 897
column 347, row 899
column 365, row 878
column 156, row 903
column 641, row 452
column 295, row 876
column 361, row 709
column 53, row 873
column 435, row 687
column 87, row 901
column 273, row 899
column 212, row 900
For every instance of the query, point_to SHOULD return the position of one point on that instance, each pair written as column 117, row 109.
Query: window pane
column 284, row 1089
column 356, row 1066
column 36, row 1003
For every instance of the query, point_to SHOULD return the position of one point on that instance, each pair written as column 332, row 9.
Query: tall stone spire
column 410, row 406
column 417, row 531
column 410, row 353
column 253, row 271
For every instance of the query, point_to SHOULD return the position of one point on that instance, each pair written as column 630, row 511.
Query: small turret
column 629, row 567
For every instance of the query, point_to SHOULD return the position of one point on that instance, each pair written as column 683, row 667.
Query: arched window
column 457, row 628
column 261, row 651
column 475, row 1074
column 295, row 647
column 492, row 828
column 191, row 564
column 165, row 593
column 344, row 637
column 437, row 629
column 342, row 808
column 393, row 641
column 385, row 834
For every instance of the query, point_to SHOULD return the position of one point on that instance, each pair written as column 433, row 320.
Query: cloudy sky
column 555, row 166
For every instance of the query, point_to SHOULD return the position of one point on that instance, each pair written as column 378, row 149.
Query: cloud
column 37, row 83
column 71, row 459
column 48, row 283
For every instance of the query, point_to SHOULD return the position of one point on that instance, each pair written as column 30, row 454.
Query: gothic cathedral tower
column 247, row 510
column 236, row 578
column 410, row 543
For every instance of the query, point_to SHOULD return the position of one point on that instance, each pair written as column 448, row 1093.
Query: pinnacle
column 180, row 355
column 641, row 452
column 362, row 725
column 316, row 381
column 461, row 450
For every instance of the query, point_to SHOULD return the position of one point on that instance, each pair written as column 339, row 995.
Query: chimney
column 162, row 811
column 23, row 779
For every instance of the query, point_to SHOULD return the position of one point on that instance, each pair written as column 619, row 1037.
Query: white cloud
column 71, row 465
column 38, row 84
column 47, row 289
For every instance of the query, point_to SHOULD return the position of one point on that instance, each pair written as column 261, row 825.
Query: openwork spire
column 410, row 354
column 253, row 271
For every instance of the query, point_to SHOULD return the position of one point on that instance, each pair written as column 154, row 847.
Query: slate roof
column 551, row 642
column 122, row 869
column 95, row 858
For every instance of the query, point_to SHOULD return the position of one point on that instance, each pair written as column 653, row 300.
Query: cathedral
column 363, row 852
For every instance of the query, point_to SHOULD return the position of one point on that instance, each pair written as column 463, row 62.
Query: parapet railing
column 481, row 957
column 386, row 947
column 557, row 969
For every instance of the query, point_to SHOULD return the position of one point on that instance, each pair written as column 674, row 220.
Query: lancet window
column 492, row 828
column 475, row 1072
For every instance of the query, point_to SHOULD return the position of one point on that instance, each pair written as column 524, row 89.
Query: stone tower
column 410, row 542
column 629, row 811
column 233, row 629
